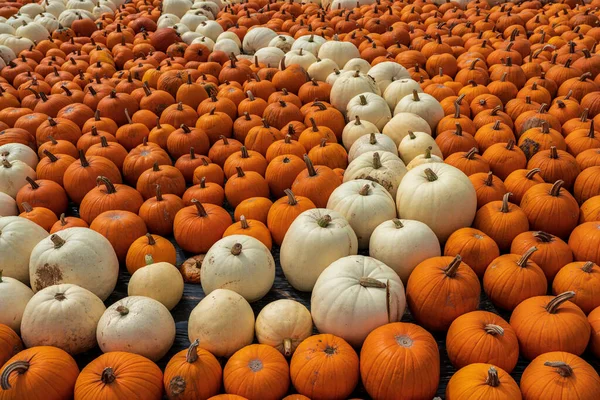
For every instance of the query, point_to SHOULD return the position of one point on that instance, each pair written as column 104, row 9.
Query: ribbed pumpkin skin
column 400, row 358
column 594, row 320
column 470, row 383
column 51, row 375
column 10, row 343
column 134, row 375
column 476, row 248
column 552, row 252
column 257, row 371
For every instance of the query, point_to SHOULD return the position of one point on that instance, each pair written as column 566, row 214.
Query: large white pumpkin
column 282, row 42
column 372, row 142
column 402, row 244
column 192, row 19
column 398, row 89
column 33, row 31
column 79, row 256
column 257, row 38
column 311, row 43
column 160, row 281
column 64, row 316
column 424, row 159
column 223, row 323
column 12, row 176
column 383, row 167
column 321, row 69
column 301, row 57
column 8, row 206
column 338, row 51
column 239, row 263
column 355, row 295
column 283, row 324
column 7, row 55
column 210, row 29
column 415, row 144
column 424, row 105
column 401, row 123
column 370, row 107
column 365, row 204
column 177, row 7
column 315, row 239
column 21, row 152
column 387, row 72
column 270, row 56
column 14, row 296
column 438, row 195
column 355, row 129
column 349, row 84
column 18, row 237
column 357, row 64
column 139, row 325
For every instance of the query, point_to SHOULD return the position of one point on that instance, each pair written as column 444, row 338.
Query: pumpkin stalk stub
column 431, row 176
column 368, row 282
column 494, row 329
column 108, row 376
column 324, row 221
column 555, row 191
column 552, row 306
column 201, row 211
column 587, row 267
column 451, row 269
column 57, row 240
column 236, row 249
column 562, row 368
column 523, row 261
column 192, row 353
column 17, row 366
column 492, row 378
column 123, row 310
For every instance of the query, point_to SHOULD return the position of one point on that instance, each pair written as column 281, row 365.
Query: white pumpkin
column 210, row 29
column 372, row 142
column 424, row 105
column 79, row 5
column 18, row 20
column 98, row 10
column 55, row 8
column 14, row 296
column 18, row 237
column 350, row 84
column 15, row 43
column 398, row 89
column 31, row 9
column 282, row 42
column 303, row 58
column 8, row 206
column 355, row 295
column 415, row 144
column 167, row 20
column 79, row 256
column 401, row 123
column 424, row 159
column 208, row 42
column 402, row 244
column 438, row 195
column 177, row 7
column 12, row 176
column 257, row 38
column 369, row 107
column 387, row 72
column 160, row 281
column 7, row 55
column 356, row 129
column 383, row 167
column 338, row 51
column 347, row 4
column 63, row 316
column 333, row 76
column 182, row 28
column 49, row 22
column 321, row 69
column 67, row 17
column 311, row 43
column 315, row 239
column 6, row 29
column 189, row 37
column 270, row 55
column 357, row 64
column 283, row 324
column 223, row 323
column 139, row 325
column 239, row 263
column 192, row 19
column 230, row 35
column 365, row 204
column 227, row 46
column 212, row 7
column 21, row 152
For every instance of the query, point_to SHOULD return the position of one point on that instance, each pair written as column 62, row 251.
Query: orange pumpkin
column 10, row 342
column 552, row 252
column 476, row 248
column 594, row 320
column 582, row 278
column 256, row 208
column 521, row 180
column 284, row 211
column 482, row 381
column 502, row 221
column 251, row 227
column 40, row 215
column 487, row 188
column 67, row 222
column 584, row 240
column 205, row 193
column 121, row 228
column 43, row 193
column 169, row 178
column 316, row 183
column 108, row 196
column 245, row 185
column 80, row 177
column 199, row 226
column 156, row 246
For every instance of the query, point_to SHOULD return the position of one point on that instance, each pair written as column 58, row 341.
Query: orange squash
column 199, row 226
column 251, row 227
column 316, row 183
column 584, row 279
column 156, row 246
column 121, row 228
column 108, row 196
column 10, row 342
column 256, row 208
column 476, row 248
column 284, row 211
column 502, row 221
column 483, row 381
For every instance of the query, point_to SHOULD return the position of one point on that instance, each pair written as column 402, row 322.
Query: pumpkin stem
column 244, row 222
column 148, row 259
column 366, row 281
column 505, row 207
column 291, row 198
column 363, row 100
column 51, row 156
column 192, row 353
column 555, row 191
column 240, row 172
column 416, row 96
column 587, row 267
column 287, row 347
column 236, row 249
column 16, row 366
column 62, row 220
column 123, row 310
column 553, row 305
column 411, row 134
column 324, row 221
column 151, row 240
column 372, row 139
column 553, row 153
column 523, row 260
column 492, row 378
column 510, row 145
column 562, row 368
column 244, row 151
column 398, row 223
column 57, row 240
column 108, row 376
column 158, row 193
column 489, row 180
column 376, row 161
column 428, row 152
column 201, row 211
column 84, row 161
column 27, row 207
column 110, row 188
column 364, row 191
column 431, row 176
column 33, row 183
column 531, row 173
column 451, row 269
column 592, row 133
column 309, row 166
column 494, row 329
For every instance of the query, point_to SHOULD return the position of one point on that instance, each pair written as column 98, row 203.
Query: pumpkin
column 249, row 160
column 521, row 180
column 210, row 323
column 40, row 215
column 239, row 263
column 487, row 187
column 594, row 339
column 502, row 221
column 10, row 343
column 281, row 173
column 113, row 374
column 253, row 228
column 583, row 242
column 283, row 324
column 244, row 185
column 15, row 295
column 63, row 316
column 316, row 363
column 13, row 176
column 283, row 212
column 160, row 281
column 384, row 168
column 372, row 142
column 121, row 228
column 571, row 330
column 257, row 371
column 197, row 227
column 18, row 239
column 552, row 252
column 554, row 165
column 191, row 373
column 159, row 248
column 449, row 278
column 108, row 196
column 169, row 178
column 476, row 248
column 138, row 325
column 316, row 183
column 315, row 239
column 43, row 193
column 80, row 177
column 378, row 289
column 484, row 380
column 581, row 278
column 141, row 158
column 256, row 208
column 559, row 375
column 42, row 372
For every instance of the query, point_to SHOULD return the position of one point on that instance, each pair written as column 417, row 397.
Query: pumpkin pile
column 389, row 156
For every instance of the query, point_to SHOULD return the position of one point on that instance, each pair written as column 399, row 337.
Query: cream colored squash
column 422, row 104
column 12, row 176
column 18, row 237
column 32, row 31
column 401, row 123
column 355, row 295
column 223, row 323
column 8, row 206
column 282, row 42
column 283, row 324
column 311, row 43
column 382, row 167
column 160, row 281
column 357, row 64
column 370, row 107
column 387, row 72
column 424, row 159
column 372, row 142
column 333, row 76
column 192, row 19
column 315, row 239
column 301, row 57
column 182, row 29
column 415, row 144
column 139, row 325
column 438, row 195
column 18, row 151
column 396, row 90
column 239, row 263
column 355, row 129
column 270, row 56
column 227, row 46
column 189, row 37
column 229, row 35
column 257, row 38
column 402, row 244
column 176, row 7
column 321, row 69
column 210, row 29
column 14, row 296
column 349, row 84
column 365, row 204
column 338, row 51
column 64, row 316
column 79, row 256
